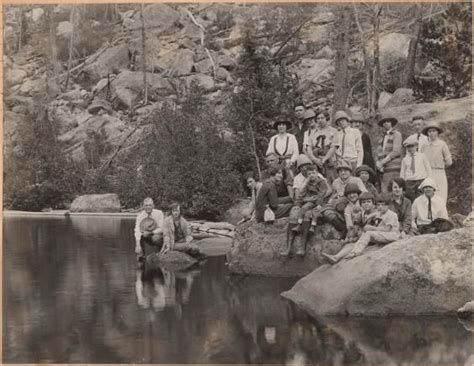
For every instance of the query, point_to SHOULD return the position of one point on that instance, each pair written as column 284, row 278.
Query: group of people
column 318, row 173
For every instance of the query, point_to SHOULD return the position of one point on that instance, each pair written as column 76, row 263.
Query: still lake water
column 72, row 294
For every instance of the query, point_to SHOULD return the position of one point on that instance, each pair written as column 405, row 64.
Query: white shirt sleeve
column 359, row 149
column 293, row 148
column 270, row 149
column 403, row 169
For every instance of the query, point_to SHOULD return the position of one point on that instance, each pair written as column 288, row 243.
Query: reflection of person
column 148, row 227
column 177, row 233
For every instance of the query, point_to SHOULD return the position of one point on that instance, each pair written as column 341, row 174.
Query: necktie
column 413, row 163
column 430, row 213
column 343, row 140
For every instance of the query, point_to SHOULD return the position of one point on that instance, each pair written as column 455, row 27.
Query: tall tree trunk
column 71, row 44
column 341, row 83
column 376, row 68
column 20, row 28
column 409, row 72
column 145, row 85
column 52, row 40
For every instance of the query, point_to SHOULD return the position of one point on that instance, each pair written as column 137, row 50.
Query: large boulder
column 171, row 260
column 128, row 86
column 393, row 48
column 14, row 76
column 108, row 202
column 237, row 211
column 157, row 18
column 313, row 71
column 111, row 61
column 401, row 97
column 256, row 249
column 429, row 274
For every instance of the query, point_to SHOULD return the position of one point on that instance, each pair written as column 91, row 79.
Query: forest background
column 176, row 101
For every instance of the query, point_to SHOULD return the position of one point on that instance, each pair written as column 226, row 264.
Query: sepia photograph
column 238, row 183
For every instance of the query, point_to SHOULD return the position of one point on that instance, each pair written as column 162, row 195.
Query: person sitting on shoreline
column 254, row 187
column 267, row 196
column 148, row 228
column 428, row 212
column 385, row 232
column 415, row 168
column 302, row 164
column 366, row 173
column 284, row 187
column 177, row 233
column 352, row 211
column 311, row 198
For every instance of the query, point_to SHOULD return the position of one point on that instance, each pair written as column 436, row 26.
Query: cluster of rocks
column 185, row 44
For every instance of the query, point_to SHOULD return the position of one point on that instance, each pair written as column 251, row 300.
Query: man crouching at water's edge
column 148, row 227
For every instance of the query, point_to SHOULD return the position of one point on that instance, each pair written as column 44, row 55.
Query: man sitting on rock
column 148, row 228
column 428, row 212
column 386, row 231
column 177, row 233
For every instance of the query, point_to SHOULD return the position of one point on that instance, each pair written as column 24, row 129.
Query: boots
column 303, row 239
column 290, row 237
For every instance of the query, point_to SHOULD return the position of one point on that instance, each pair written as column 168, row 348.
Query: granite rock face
column 108, row 202
column 256, row 249
column 422, row 275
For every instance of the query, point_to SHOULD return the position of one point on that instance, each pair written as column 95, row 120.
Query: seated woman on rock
column 366, row 174
column 428, row 212
column 400, row 204
column 254, row 187
column 386, row 231
column 267, row 196
column 284, row 187
column 344, row 170
column 177, row 233
column 352, row 212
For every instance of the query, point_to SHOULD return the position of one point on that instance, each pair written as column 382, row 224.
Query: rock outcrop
column 171, row 260
column 430, row 274
column 108, row 202
column 256, row 250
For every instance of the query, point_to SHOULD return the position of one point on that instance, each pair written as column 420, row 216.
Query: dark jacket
column 266, row 196
column 317, row 189
column 367, row 147
column 403, row 212
column 299, row 134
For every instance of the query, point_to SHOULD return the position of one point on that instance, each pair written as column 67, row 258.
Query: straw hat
column 148, row 224
column 428, row 182
column 387, row 117
column 341, row 115
column 432, row 125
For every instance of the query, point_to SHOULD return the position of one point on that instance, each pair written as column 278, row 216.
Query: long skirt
column 439, row 176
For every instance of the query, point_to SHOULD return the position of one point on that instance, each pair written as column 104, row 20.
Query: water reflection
column 72, row 293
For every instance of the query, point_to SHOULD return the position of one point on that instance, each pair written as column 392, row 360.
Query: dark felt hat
column 280, row 121
column 387, row 117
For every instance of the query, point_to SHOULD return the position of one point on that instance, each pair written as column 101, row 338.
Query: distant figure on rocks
column 177, row 233
column 439, row 156
column 148, row 228
column 283, row 144
column 321, row 146
column 267, row 196
column 415, row 167
column 428, row 212
column 389, row 151
column 301, row 124
column 385, row 232
column 357, row 121
column 418, row 123
column 349, row 141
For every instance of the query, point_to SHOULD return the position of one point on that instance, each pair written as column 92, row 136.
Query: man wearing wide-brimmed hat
column 389, row 151
column 415, row 167
column 439, row 156
column 349, row 141
column 148, row 228
column 357, row 121
column 283, row 144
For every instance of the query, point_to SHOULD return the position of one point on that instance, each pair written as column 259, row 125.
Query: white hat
column 428, row 182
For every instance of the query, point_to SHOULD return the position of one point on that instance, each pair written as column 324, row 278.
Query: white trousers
column 375, row 237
